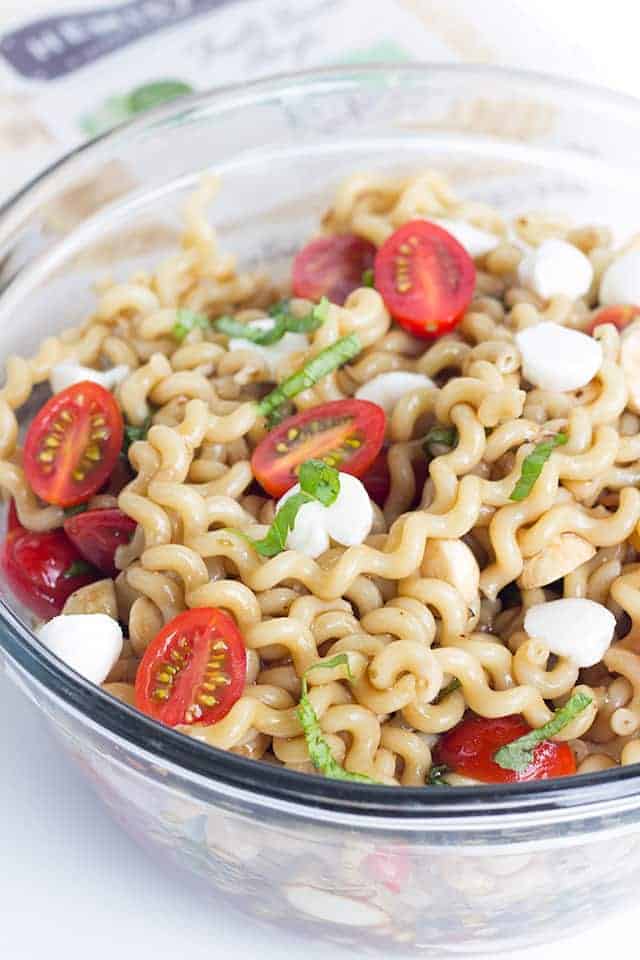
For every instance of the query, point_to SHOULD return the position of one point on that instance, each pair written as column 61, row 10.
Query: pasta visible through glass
column 422, row 624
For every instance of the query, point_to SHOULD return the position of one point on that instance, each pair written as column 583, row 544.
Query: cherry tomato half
column 73, row 444
column 468, row 749
column 194, row 670
column 346, row 434
column 620, row 316
column 377, row 479
column 97, row 534
column 43, row 569
column 425, row 277
column 332, row 267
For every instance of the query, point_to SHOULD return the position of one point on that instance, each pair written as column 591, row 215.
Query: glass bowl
column 435, row 871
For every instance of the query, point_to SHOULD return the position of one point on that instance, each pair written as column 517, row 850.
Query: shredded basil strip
column 78, row 508
column 519, row 754
column 450, row 688
column 133, row 433
column 77, row 568
column 188, row 320
column 533, row 464
column 367, row 277
column 319, row 752
column 328, row 360
column 442, row 436
column 318, row 482
column 283, row 322
column 436, row 776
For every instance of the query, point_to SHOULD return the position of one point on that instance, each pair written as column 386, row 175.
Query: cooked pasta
column 395, row 639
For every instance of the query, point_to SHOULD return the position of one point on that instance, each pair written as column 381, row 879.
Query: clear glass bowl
column 435, row 870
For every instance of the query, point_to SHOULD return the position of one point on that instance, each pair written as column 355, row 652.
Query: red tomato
column 468, row 749
column 73, row 443
column 194, row 670
column 425, row 277
column 332, row 267
column 43, row 569
column 377, row 479
column 620, row 316
column 346, row 434
column 98, row 533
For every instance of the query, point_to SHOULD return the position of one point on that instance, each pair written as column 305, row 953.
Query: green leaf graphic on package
column 119, row 108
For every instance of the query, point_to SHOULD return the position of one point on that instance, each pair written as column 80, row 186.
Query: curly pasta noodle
column 428, row 612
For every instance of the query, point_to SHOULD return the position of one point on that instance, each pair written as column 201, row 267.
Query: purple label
column 53, row 47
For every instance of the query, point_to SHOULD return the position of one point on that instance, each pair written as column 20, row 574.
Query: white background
column 71, row 884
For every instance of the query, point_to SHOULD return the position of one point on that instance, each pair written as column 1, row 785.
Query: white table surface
column 71, row 883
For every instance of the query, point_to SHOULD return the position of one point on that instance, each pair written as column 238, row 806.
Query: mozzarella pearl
column 476, row 242
column 275, row 353
column 90, row 643
column 555, row 268
column 64, row 375
column 387, row 388
column 348, row 520
column 580, row 630
column 557, row 358
column 620, row 282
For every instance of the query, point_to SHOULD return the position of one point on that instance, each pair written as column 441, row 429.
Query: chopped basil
column 533, row 464
column 77, row 568
column 436, row 776
column 152, row 94
column 328, row 360
column 450, row 688
column 440, row 436
column 283, row 322
column 318, row 482
column 79, row 508
column 133, row 433
column 367, row 277
column 518, row 754
column 319, row 752
column 188, row 320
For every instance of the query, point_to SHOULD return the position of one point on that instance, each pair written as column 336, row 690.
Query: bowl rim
column 584, row 795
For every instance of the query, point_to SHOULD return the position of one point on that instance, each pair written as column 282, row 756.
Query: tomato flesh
column 332, row 267
column 194, row 670
column 73, row 444
column 43, row 569
column 620, row 316
column 425, row 277
column 346, row 434
column 469, row 748
column 97, row 534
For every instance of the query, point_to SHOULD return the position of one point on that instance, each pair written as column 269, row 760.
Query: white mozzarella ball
column 348, row 520
column 620, row 282
column 554, row 268
column 275, row 353
column 580, row 630
column 557, row 358
column 387, row 388
column 476, row 242
column 65, row 374
column 90, row 643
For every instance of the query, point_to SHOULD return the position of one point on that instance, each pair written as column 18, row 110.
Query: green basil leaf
column 533, row 464
column 320, row 481
column 284, row 322
column 367, row 277
column 436, row 776
column 319, row 752
column 133, row 433
column 440, row 436
column 325, row 362
column 518, row 754
column 79, row 508
column 450, row 688
column 188, row 320
column 76, row 569
column 152, row 94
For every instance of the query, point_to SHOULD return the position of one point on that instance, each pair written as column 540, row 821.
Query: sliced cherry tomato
column 43, row 569
column 332, row 267
column 425, row 277
column 346, row 434
column 620, row 316
column 194, row 670
column 12, row 518
column 97, row 534
column 73, row 443
column 468, row 749
column 377, row 479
